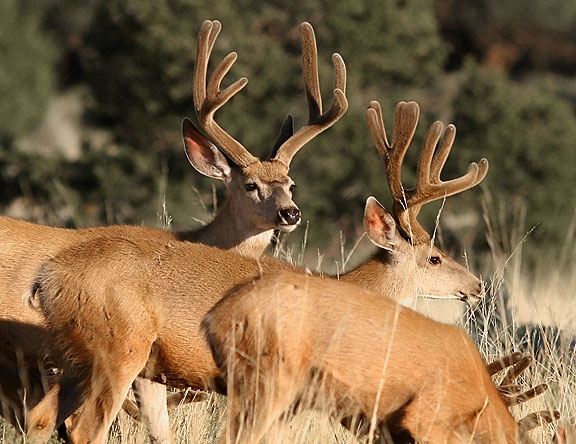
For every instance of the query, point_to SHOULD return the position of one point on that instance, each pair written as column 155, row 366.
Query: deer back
column 363, row 352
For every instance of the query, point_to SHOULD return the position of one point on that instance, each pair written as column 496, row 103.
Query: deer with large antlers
column 288, row 342
column 155, row 295
column 259, row 201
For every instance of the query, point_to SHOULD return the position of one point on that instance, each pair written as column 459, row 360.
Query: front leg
column 151, row 399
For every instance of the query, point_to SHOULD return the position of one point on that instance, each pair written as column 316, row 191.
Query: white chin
column 287, row 228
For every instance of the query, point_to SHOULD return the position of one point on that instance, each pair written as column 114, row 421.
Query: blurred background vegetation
column 92, row 95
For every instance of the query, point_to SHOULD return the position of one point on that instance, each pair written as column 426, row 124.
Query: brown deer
column 287, row 342
column 259, row 201
column 153, row 295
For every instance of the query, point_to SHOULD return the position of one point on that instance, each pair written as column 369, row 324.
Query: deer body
column 26, row 246
column 145, row 299
column 288, row 340
column 145, row 316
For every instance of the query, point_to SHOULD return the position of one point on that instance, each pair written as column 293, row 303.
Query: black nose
column 289, row 216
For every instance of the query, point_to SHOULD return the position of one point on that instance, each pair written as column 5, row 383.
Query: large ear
column 203, row 154
column 286, row 132
column 379, row 225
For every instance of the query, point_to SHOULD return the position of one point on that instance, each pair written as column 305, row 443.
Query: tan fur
column 290, row 340
column 245, row 224
column 141, row 302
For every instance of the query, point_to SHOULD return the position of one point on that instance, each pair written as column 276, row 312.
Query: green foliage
column 26, row 70
column 529, row 136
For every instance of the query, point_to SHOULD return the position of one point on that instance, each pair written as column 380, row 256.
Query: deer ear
column 379, row 225
column 286, row 132
column 203, row 154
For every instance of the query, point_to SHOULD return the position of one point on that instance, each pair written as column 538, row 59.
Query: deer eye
column 251, row 186
column 435, row 260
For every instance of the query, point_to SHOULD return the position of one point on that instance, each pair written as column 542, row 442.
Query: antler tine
column 207, row 95
column 511, row 400
column 517, row 369
column 377, row 129
column 405, row 122
column 503, row 362
column 310, row 69
column 206, row 38
column 538, row 419
column 317, row 121
column 441, row 155
column 429, row 185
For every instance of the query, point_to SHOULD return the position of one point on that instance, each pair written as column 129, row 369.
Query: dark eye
column 435, row 260
column 251, row 187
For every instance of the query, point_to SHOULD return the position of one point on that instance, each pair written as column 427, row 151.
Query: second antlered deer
column 260, row 200
column 110, row 299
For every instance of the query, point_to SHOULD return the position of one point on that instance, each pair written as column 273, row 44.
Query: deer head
column 409, row 246
column 260, row 189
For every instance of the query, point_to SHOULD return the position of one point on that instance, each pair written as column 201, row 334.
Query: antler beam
column 407, row 203
column 317, row 122
column 208, row 97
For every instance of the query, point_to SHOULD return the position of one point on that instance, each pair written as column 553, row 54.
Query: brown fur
column 141, row 303
column 260, row 191
column 289, row 339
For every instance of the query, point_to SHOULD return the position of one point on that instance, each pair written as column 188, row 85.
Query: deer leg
column 151, row 398
column 104, row 395
column 256, row 403
column 59, row 403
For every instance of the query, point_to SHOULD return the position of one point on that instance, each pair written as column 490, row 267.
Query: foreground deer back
column 260, row 196
column 288, row 341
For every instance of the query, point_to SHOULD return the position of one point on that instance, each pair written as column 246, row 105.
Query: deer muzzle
column 473, row 297
column 289, row 218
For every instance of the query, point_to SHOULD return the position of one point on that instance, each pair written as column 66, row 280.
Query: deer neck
column 231, row 231
column 383, row 275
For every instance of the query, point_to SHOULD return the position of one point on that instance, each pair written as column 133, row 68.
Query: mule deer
column 291, row 341
column 155, row 295
column 260, row 193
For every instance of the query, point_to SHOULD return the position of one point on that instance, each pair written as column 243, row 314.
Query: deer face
column 438, row 276
column 421, row 269
column 260, row 193
column 263, row 193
